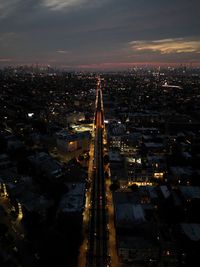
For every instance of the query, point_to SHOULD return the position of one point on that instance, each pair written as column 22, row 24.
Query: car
column 37, row 256
column 22, row 236
column 15, row 249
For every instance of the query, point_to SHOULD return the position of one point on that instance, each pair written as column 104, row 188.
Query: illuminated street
column 98, row 235
column 99, row 133
column 82, row 259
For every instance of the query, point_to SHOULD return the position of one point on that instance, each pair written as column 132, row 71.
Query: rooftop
column 190, row 191
column 115, row 156
column 134, row 242
column 191, row 230
column 129, row 214
column 73, row 201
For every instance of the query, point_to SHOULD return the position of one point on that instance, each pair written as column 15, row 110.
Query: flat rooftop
column 191, row 230
column 129, row 214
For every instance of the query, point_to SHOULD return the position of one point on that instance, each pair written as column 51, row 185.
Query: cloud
column 6, row 36
column 6, row 59
column 8, row 7
column 14, row 8
column 167, row 46
column 7, row 39
column 60, row 4
column 85, row 32
column 62, row 51
column 56, row 5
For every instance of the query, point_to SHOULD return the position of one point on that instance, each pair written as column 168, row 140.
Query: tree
column 134, row 187
column 106, row 175
column 114, row 186
column 3, row 229
column 3, row 144
column 80, row 157
column 106, row 159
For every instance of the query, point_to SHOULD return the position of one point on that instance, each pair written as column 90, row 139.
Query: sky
column 99, row 34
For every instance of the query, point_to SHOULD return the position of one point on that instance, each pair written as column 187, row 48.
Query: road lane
column 97, row 253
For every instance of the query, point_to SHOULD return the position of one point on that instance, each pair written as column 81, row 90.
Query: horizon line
column 107, row 66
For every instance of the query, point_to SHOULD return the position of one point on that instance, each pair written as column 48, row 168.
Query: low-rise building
column 67, row 142
column 45, row 165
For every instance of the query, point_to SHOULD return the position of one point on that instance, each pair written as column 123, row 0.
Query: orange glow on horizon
column 139, row 64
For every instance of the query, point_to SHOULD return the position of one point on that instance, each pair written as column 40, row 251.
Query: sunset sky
column 104, row 34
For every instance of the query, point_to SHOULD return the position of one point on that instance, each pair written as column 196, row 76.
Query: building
column 67, row 142
column 71, row 206
column 134, row 249
column 43, row 164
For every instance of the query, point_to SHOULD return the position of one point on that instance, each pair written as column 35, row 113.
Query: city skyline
column 107, row 34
